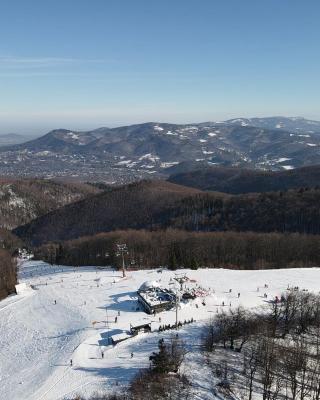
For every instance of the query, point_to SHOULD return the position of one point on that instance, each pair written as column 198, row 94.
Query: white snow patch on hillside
column 73, row 135
column 148, row 166
column 190, row 129
column 287, row 167
column 15, row 200
column 172, row 133
column 206, row 151
column 124, row 162
column 150, row 157
column 282, row 159
column 43, row 153
column 168, row 164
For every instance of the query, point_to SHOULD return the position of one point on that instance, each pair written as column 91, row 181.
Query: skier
column 55, row 302
column 116, row 319
column 71, row 363
column 238, row 294
column 131, row 355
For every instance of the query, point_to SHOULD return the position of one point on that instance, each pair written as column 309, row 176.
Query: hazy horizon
column 36, row 132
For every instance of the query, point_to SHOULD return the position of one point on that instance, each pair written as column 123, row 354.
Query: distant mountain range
column 284, row 123
column 123, row 154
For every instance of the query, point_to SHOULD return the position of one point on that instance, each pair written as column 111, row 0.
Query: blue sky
column 83, row 64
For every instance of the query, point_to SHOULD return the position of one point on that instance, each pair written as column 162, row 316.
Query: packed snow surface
column 70, row 313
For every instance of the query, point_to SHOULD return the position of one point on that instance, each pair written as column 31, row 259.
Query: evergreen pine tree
column 160, row 361
column 194, row 264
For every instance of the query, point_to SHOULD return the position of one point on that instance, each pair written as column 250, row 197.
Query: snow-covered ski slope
column 38, row 338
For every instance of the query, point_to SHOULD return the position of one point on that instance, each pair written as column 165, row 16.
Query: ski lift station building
column 153, row 299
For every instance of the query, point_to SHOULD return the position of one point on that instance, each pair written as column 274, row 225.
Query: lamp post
column 177, row 301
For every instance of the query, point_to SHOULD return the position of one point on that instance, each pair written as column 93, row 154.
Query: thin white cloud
column 44, row 74
column 9, row 62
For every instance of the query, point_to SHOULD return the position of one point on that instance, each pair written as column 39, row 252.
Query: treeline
column 8, row 274
column 175, row 248
column 8, row 267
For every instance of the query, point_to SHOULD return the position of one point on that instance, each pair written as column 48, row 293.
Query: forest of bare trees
column 8, row 268
column 162, row 205
column 22, row 200
column 8, row 273
column 278, row 349
column 174, row 248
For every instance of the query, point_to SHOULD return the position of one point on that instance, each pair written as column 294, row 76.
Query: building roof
column 120, row 336
column 149, row 285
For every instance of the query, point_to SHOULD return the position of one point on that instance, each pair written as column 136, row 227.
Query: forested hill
column 160, row 205
column 22, row 200
column 130, row 206
column 241, row 180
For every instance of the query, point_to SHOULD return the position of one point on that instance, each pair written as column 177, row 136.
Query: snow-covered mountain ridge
column 122, row 154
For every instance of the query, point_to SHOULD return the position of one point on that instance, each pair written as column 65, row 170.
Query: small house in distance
column 120, row 337
column 154, row 299
column 135, row 330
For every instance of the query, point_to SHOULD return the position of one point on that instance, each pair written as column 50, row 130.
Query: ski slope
column 38, row 338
